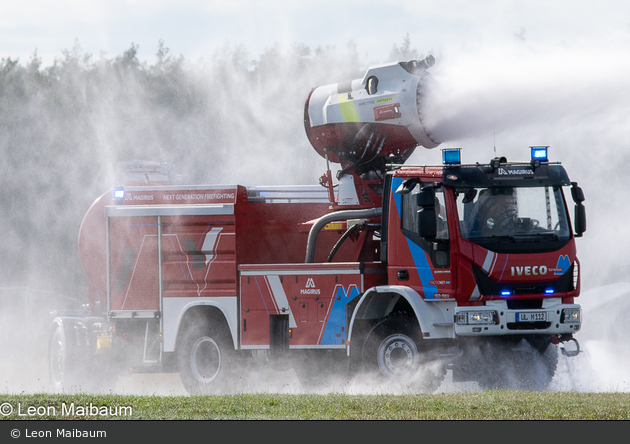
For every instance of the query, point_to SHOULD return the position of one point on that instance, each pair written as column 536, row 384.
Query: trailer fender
column 175, row 309
column 435, row 317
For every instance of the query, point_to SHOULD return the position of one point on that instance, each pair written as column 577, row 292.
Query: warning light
column 540, row 153
column 549, row 291
column 506, row 292
column 119, row 195
column 451, row 156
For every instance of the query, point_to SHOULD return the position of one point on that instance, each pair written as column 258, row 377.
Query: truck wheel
column 394, row 351
column 537, row 366
column 204, row 361
column 528, row 366
column 73, row 367
column 64, row 363
column 57, row 360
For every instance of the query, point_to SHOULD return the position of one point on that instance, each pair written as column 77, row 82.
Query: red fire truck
column 396, row 272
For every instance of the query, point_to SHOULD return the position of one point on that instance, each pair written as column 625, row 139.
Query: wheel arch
column 435, row 318
column 196, row 313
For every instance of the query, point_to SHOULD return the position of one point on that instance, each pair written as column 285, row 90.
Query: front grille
column 527, row 289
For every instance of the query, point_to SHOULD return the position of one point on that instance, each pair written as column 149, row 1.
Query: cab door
column 419, row 253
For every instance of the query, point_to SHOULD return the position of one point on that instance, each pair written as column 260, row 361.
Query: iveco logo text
column 310, row 287
column 529, row 270
column 504, row 172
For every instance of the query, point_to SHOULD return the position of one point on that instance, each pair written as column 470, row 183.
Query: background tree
column 64, row 128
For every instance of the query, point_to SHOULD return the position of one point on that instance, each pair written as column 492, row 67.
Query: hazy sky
column 196, row 28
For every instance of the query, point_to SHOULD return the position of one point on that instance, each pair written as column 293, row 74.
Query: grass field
column 499, row 405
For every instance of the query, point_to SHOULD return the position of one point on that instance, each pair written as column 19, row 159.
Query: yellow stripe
column 334, row 226
column 346, row 106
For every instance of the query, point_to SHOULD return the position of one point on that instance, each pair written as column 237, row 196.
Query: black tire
column 67, row 366
column 58, row 370
column 537, row 366
column 395, row 351
column 206, row 360
column 73, row 368
column 528, row 365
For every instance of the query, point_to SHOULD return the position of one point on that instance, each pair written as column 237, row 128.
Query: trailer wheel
column 65, row 363
column 57, row 360
column 205, row 358
column 73, row 367
column 394, row 351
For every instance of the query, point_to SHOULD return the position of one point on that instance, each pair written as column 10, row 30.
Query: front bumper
column 497, row 319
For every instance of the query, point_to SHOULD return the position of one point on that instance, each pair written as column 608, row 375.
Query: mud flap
column 278, row 336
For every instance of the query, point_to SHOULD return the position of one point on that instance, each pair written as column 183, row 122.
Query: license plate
column 531, row 316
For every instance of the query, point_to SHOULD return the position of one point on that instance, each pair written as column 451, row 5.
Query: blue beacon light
column 119, row 195
column 452, row 156
column 540, row 153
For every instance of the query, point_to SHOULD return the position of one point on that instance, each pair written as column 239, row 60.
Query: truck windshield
column 513, row 214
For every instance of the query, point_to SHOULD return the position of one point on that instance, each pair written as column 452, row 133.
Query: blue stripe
column 418, row 254
column 424, row 269
column 337, row 317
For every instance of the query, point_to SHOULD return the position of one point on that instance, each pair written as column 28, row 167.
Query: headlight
column 571, row 315
column 475, row 318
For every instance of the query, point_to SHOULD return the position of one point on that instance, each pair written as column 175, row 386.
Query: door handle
column 403, row 275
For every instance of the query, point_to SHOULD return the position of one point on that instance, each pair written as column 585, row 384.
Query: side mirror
column 469, row 196
column 580, row 219
column 407, row 186
column 427, row 223
column 426, row 197
column 577, row 193
column 427, row 219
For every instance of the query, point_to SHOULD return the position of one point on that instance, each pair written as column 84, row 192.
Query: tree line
column 224, row 119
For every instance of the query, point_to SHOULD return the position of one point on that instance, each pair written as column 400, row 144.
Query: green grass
column 499, row 405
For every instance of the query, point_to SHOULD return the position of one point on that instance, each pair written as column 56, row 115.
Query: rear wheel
column 69, row 364
column 395, row 352
column 58, row 361
column 205, row 360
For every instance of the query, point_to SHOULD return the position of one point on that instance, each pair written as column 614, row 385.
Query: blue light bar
column 539, row 153
column 452, row 156
column 549, row 291
column 506, row 293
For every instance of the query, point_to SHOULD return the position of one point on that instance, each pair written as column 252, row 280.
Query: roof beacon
column 452, row 156
column 540, row 153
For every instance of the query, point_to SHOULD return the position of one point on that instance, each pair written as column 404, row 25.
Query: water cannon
column 365, row 124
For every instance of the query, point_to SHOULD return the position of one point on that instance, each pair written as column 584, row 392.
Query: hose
column 341, row 240
column 334, row 217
